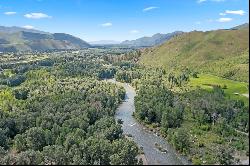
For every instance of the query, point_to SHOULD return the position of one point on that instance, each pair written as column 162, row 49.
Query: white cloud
column 134, row 31
column 223, row 14
column 36, row 15
column 107, row 24
column 150, row 8
column 200, row 1
column 237, row 12
column 9, row 13
column 224, row 19
column 198, row 22
column 28, row 27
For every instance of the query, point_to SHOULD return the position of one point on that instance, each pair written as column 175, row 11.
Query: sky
column 93, row 20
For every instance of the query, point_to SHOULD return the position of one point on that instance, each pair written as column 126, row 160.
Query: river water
column 142, row 136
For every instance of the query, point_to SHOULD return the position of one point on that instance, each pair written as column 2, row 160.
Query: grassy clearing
column 233, row 89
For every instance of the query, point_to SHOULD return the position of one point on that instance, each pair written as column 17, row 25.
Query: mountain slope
column 242, row 26
column 156, row 39
column 15, row 39
column 222, row 52
column 15, row 29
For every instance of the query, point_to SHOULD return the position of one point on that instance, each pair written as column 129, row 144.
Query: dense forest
column 56, row 110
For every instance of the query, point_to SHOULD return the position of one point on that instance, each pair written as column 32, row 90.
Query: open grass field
column 234, row 89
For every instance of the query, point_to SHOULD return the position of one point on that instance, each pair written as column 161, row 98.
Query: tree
column 107, row 128
column 36, row 138
column 55, row 155
column 29, row 157
column 195, row 74
column 3, row 139
column 181, row 140
column 171, row 118
column 9, row 124
column 76, row 155
column 20, row 143
column 74, row 138
column 21, row 94
column 124, row 153
column 97, row 151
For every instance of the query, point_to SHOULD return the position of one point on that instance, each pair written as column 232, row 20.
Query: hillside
column 150, row 41
column 242, row 26
column 18, row 39
column 223, row 53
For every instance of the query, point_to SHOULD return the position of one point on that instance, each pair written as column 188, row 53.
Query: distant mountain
column 14, row 39
column 223, row 53
column 15, row 29
column 104, row 42
column 156, row 39
column 246, row 25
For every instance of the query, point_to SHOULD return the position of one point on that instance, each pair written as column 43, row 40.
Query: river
column 143, row 137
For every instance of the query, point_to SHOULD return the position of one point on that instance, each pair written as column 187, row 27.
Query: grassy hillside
column 224, row 53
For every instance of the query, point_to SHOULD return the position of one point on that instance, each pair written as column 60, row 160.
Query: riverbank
column 143, row 158
column 145, row 139
column 203, row 142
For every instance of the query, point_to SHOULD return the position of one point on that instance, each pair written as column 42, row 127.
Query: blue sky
column 94, row 20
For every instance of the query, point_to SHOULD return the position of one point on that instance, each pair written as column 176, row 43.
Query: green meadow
column 232, row 89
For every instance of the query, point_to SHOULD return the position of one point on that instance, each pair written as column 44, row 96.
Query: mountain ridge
column 14, row 29
column 154, row 40
column 13, row 39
